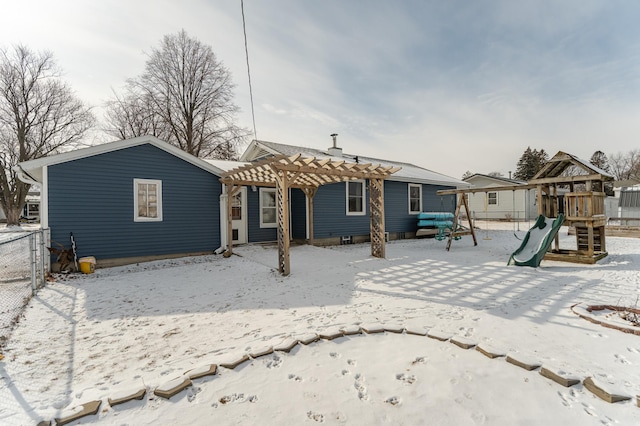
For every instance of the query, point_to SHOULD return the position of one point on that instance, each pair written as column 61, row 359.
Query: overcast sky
column 448, row 85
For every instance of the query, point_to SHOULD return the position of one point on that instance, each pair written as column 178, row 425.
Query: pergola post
column 282, row 206
column 310, row 192
column 376, row 208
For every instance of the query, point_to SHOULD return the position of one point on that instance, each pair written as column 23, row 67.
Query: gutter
column 24, row 176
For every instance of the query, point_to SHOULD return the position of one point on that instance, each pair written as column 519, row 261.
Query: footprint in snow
column 317, row 417
column 393, row 400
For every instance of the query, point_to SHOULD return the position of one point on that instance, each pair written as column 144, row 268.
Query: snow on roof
column 588, row 165
column 226, row 165
column 498, row 178
column 408, row 172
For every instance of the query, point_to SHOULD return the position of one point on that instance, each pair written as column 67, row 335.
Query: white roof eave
column 460, row 184
column 34, row 167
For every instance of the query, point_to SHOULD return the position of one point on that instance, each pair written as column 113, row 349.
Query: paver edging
column 599, row 390
column 175, row 386
column 585, row 313
column 88, row 409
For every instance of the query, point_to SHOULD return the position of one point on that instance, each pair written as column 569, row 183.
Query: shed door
column 239, row 216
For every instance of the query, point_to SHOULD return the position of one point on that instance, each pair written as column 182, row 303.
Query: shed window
column 268, row 211
column 492, row 198
column 355, row 197
column 415, row 198
column 147, row 200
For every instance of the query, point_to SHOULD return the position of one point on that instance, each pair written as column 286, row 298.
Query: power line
column 246, row 51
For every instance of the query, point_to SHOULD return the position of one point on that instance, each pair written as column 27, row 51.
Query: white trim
column 243, row 229
column 364, row 197
column 223, row 217
column 254, row 149
column 275, row 208
column 409, row 186
column 307, row 216
column 32, row 166
column 44, row 199
column 158, row 184
column 489, row 193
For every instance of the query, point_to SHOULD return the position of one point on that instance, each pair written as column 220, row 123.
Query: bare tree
column 625, row 165
column 39, row 115
column 131, row 115
column 184, row 96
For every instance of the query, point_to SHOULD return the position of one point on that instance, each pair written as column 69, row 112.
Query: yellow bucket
column 87, row 264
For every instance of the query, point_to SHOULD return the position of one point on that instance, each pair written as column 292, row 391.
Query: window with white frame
column 147, row 200
column 492, row 198
column 355, row 198
column 415, row 198
column 268, row 210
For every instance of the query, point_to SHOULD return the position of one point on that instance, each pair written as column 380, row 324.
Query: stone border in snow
column 585, row 312
column 604, row 391
column 86, row 409
column 168, row 389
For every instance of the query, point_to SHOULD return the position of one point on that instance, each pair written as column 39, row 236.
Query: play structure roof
column 554, row 168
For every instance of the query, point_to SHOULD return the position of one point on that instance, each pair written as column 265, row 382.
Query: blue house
column 340, row 209
column 143, row 199
column 129, row 201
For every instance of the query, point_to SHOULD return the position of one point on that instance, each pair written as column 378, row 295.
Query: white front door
column 239, row 216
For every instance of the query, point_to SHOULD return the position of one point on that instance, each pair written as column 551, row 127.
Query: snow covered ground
column 96, row 336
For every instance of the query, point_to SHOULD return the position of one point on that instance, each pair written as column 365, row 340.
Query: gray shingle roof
column 408, row 172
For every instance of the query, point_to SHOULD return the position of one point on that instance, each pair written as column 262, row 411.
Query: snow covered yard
column 90, row 337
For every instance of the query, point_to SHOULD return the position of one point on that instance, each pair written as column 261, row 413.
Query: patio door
column 239, row 216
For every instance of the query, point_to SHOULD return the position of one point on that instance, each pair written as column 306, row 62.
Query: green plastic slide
column 536, row 242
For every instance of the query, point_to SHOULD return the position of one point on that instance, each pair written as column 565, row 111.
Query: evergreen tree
column 530, row 163
column 600, row 160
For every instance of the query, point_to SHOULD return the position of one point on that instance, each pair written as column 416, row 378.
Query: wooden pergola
column 308, row 174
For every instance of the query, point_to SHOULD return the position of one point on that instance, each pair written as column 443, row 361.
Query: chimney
column 334, row 151
column 509, row 174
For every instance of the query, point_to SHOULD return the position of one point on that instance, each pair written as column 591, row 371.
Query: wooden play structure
column 581, row 186
column 565, row 184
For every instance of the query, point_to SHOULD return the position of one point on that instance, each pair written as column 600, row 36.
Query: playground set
column 580, row 206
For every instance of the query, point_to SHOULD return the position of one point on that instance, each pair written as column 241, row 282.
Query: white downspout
column 223, row 221
column 44, row 187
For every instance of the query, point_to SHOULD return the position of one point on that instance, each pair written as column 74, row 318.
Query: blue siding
column 298, row 217
column 329, row 213
column 432, row 202
column 257, row 234
column 93, row 198
column 331, row 220
column 396, row 208
column 298, row 214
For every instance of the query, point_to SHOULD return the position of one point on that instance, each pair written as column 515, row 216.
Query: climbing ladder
column 596, row 234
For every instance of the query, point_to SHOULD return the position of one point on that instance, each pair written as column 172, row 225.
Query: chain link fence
column 24, row 261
